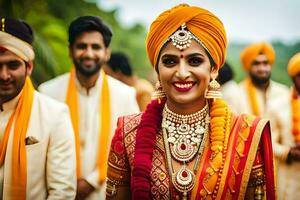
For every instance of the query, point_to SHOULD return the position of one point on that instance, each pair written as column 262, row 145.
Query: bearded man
column 37, row 145
column 258, row 91
column 95, row 101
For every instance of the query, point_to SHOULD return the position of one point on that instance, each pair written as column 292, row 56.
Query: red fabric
column 145, row 140
column 2, row 49
column 268, row 160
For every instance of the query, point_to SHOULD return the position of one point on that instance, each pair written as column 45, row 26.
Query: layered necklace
column 184, row 139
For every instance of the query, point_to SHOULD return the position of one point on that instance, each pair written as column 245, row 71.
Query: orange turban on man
column 294, row 65
column 202, row 23
column 249, row 54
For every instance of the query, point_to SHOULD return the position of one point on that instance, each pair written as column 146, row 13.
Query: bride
column 187, row 144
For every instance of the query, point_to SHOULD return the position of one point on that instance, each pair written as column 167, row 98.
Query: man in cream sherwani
column 288, row 136
column 37, row 141
column 258, row 91
column 95, row 101
column 263, row 97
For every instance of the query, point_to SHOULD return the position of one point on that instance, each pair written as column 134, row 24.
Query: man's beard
column 10, row 94
column 259, row 80
column 86, row 71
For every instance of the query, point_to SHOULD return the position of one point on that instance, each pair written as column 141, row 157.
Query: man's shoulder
column 144, row 85
column 54, row 83
column 242, row 83
column 279, row 87
column 119, row 86
column 49, row 104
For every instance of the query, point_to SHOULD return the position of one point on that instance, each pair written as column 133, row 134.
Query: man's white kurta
column 123, row 102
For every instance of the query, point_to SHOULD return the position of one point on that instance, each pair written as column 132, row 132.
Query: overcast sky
column 245, row 20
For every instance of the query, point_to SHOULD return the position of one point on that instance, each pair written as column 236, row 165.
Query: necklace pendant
column 183, row 151
column 183, row 129
column 184, row 180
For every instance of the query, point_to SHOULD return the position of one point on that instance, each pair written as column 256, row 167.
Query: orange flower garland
column 219, row 134
column 295, row 106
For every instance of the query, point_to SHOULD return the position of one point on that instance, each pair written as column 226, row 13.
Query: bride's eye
column 169, row 61
column 195, row 61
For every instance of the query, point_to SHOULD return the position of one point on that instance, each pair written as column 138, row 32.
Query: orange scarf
column 252, row 97
column 104, row 130
column 21, row 116
column 295, row 106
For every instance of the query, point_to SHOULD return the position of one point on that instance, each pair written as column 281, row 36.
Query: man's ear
column 29, row 67
column 107, row 54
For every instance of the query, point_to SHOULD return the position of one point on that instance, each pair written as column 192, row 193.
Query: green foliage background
column 50, row 20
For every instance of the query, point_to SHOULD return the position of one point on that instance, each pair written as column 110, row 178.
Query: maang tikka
column 182, row 38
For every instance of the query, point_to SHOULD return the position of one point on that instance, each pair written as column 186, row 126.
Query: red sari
column 247, row 160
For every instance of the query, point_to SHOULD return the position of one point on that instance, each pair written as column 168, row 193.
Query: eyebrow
column 189, row 55
column 169, row 55
column 19, row 62
column 195, row 54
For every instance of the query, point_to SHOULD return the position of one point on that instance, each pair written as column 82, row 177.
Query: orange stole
column 252, row 96
column 231, row 181
column 21, row 116
column 104, row 129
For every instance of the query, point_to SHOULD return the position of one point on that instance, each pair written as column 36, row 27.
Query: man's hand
column 84, row 189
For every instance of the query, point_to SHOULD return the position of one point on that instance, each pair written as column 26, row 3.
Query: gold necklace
column 185, row 132
column 184, row 179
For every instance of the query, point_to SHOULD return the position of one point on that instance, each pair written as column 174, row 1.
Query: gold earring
column 158, row 92
column 214, row 88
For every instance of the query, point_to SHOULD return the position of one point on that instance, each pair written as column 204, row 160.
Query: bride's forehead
column 195, row 47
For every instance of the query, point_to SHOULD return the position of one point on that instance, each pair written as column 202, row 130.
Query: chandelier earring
column 214, row 88
column 158, row 92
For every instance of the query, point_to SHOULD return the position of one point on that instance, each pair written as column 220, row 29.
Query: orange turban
column 202, row 23
column 249, row 54
column 294, row 65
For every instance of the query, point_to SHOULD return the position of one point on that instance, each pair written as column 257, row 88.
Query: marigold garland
column 295, row 106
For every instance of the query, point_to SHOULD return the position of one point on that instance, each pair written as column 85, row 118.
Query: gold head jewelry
column 182, row 38
column 214, row 88
column 158, row 92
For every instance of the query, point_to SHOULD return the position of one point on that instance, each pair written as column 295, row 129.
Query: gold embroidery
column 251, row 156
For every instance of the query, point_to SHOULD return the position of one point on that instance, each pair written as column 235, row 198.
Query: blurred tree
column 50, row 21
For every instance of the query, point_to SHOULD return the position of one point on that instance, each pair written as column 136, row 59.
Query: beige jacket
column 288, row 176
column 51, row 172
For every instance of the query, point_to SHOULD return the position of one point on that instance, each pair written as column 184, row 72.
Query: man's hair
column 225, row 74
column 87, row 24
column 120, row 62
